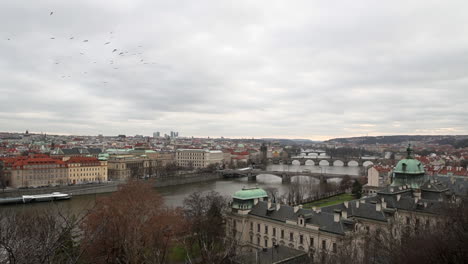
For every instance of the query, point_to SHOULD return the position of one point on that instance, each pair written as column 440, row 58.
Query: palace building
column 41, row 170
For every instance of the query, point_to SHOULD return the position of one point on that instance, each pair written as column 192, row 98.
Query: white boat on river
column 55, row 196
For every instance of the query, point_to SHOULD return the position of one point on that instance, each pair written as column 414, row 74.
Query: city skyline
column 309, row 70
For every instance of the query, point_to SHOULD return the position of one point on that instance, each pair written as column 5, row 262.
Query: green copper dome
column 250, row 193
column 409, row 171
column 409, row 166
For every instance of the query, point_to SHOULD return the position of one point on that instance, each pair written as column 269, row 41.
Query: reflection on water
column 175, row 195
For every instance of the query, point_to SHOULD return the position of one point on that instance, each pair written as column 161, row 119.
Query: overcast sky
column 291, row 69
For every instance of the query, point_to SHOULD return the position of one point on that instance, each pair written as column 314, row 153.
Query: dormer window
column 403, row 166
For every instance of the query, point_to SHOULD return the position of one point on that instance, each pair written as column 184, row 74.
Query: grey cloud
column 308, row 69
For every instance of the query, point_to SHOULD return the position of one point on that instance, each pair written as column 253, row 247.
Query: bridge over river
column 284, row 175
column 326, row 161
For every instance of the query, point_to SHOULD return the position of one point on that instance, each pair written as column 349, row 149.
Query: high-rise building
column 156, row 134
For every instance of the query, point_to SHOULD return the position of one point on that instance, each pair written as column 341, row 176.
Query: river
column 175, row 195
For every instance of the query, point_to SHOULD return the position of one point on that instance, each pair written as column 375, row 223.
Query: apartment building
column 198, row 158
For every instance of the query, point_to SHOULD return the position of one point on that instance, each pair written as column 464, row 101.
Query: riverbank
column 74, row 190
column 111, row 186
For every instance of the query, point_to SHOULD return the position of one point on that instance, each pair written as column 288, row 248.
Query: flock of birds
column 115, row 51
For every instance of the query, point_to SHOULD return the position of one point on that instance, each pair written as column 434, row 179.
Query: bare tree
column 273, row 194
column 39, row 236
column 205, row 214
column 131, row 225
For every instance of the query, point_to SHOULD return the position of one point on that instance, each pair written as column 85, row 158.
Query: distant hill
column 458, row 141
column 284, row 141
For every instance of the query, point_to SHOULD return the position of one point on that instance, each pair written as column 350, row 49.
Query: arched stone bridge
column 284, row 175
column 326, row 161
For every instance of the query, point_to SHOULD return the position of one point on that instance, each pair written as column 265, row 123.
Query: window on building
column 266, row 243
column 324, row 244
column 258, row 241
column 334, row 248
column 301, row 239
column 274, row 231
column 266, row 229
column 282, row 233
column 291, row 236
column 258, row 227
column 311, row 241
column 251, row 239
column 251, row 225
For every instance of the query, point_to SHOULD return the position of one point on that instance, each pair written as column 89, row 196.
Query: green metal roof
column 409, row 166
column 250, row 193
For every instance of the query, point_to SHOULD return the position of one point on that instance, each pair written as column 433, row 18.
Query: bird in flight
column 85, row 40
column 114, row 50
column 72, row 38
column 106, row 43
column 52, row 38
column 51, row 13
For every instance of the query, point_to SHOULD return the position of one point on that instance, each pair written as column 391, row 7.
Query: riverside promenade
column 111, row 186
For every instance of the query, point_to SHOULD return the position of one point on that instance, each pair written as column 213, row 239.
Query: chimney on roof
column 391, row 189
column 336, row 215
column 398, row 197
column 296, row 208
column 417, row 193
column 255, row 201
column 269, row 203
column 362, row 201
column 346, row 204
column 357, row 204
column 278, row 206
column 378, row 207
column 425, row 204
column 300, row 206
column 416, row 199
column 344, row 214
